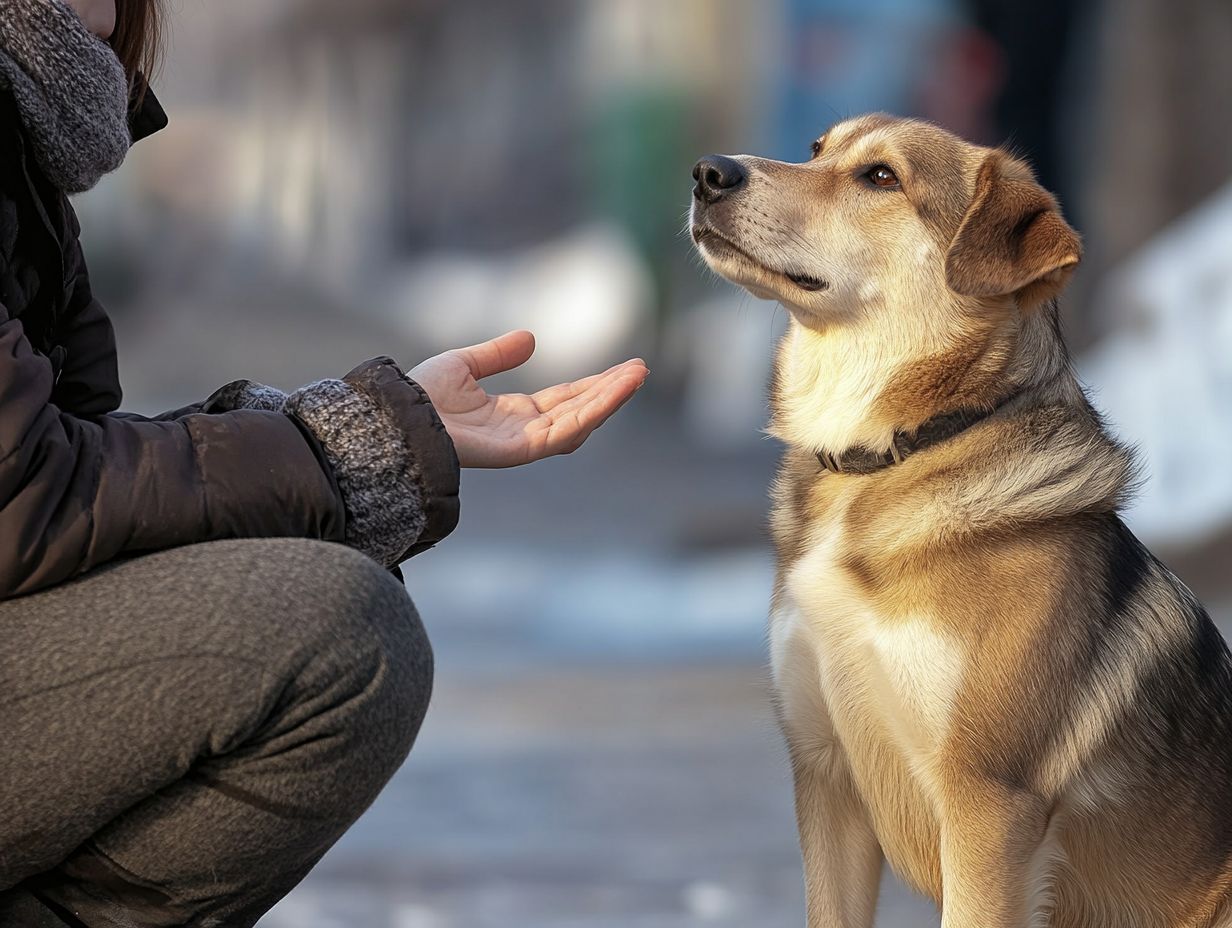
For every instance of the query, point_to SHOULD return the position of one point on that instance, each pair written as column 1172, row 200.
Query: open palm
column 505, row 430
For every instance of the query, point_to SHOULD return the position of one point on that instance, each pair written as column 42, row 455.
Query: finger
column 551, row 397
column 601, row 383
column 571, row 430
column 601, row 408
column 503, row 353
column 608, row 403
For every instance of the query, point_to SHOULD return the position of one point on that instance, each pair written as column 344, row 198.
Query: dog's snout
column 717, row 176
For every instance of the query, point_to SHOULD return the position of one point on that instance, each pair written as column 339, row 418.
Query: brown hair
column 137, row 38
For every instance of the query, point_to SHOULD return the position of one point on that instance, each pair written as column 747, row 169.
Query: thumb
column 503, row 353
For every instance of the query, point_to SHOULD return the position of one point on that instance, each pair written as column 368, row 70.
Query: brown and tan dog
column 983, row 677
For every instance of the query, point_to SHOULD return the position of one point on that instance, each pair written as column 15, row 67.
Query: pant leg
column 186, row 733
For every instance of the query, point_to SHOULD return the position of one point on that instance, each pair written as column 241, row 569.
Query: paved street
column 578, row 793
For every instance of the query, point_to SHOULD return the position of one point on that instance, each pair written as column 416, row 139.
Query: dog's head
column 887, row 214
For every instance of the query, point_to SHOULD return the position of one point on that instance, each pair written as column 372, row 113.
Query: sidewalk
column 571, row 794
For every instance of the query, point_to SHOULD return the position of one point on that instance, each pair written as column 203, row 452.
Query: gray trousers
column 183, row 735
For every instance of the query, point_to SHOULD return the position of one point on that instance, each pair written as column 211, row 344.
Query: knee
column 407, row 670
column 398, row 681
column 362, row 641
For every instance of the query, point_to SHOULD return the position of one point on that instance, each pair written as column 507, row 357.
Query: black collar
column 145, row 114
column 932, row 432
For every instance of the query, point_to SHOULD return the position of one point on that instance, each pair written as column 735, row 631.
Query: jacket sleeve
column 77, row 491
column 81, row 483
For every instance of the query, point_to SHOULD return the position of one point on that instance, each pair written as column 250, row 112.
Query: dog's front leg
column 990, row 836
column 842, row 857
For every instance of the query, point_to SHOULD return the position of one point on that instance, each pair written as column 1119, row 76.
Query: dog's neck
column 825, row 390
column 848, row 387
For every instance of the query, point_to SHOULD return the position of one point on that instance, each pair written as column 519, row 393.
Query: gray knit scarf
column 70, row 89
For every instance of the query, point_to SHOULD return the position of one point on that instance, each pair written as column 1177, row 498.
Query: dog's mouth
column 722, row 247
column 805, row 282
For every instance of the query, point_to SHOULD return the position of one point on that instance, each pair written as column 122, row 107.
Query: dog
column 982, row 676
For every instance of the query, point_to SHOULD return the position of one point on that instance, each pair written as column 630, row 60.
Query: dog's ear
column 1012, row 240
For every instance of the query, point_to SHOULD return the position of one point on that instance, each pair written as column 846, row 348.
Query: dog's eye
column 815, row 148
column 881, row 176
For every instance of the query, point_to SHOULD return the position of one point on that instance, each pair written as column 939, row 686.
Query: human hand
column 510, row 429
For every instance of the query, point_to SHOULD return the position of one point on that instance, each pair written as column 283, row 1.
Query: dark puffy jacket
column 81, row 484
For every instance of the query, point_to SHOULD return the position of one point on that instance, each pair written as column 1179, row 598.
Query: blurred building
column 337, row 139
column 1155, row 139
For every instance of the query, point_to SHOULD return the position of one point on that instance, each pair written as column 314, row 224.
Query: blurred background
column 342, row 180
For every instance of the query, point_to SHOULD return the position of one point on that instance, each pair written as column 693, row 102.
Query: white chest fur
column 853, row 679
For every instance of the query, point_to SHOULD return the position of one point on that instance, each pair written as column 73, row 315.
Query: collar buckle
column 830, row 462
column 897, row 454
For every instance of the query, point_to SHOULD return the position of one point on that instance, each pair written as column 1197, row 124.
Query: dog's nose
column 717, row 176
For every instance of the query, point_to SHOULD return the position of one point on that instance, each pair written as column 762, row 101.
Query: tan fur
column 951, row 684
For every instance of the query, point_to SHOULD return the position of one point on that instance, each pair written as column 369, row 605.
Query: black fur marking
column 1107, row 575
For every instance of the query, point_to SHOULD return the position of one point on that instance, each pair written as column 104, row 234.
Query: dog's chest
column 880, row 688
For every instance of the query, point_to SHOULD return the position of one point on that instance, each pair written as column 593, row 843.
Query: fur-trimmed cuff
column 360, row 426
column 245, row 394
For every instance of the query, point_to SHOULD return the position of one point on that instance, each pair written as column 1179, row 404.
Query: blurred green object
column 639, row 169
